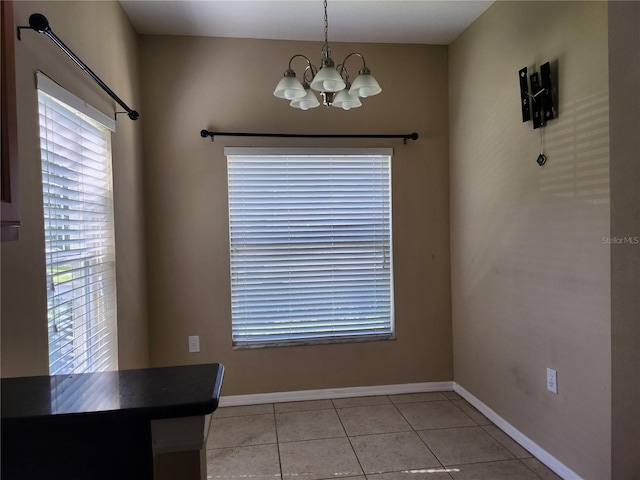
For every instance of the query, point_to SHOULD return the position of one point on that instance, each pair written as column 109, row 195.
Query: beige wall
column 101, row 35
column 226, row 85
column 624, row 78
column 530, row 272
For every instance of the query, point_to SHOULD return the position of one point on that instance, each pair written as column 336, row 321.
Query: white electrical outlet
column 552, row 380
column 194, row 343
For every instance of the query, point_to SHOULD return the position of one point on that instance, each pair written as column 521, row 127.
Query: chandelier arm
column 299, row 55
column 364, row 63
column 342, row 70
column 311, row 68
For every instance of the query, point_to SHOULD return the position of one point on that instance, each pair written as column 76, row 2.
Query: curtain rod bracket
column 207, row 133
column 40, row 24
column 133, row 115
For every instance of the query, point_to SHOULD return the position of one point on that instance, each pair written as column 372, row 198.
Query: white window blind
column 310, row 237
column 79, row 237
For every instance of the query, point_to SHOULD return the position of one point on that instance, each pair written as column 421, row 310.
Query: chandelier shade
column 289, row 87
column 306, row 102
column 346, row 101
column 365, row 85
column 330, row 80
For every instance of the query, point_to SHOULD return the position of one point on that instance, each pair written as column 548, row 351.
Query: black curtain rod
column 40, row 24
column 207, row 133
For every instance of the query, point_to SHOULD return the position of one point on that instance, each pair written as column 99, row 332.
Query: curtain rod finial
column 39, row 23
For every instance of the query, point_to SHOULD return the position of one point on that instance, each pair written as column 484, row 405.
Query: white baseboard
column 327, row 393
column 536, row 450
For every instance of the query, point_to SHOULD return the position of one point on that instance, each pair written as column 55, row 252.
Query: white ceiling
column 436, row 22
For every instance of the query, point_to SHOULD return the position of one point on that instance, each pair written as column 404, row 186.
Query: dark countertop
column 150, row 393
column 97, row 425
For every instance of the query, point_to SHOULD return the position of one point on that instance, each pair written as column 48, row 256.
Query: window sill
column 312, row 342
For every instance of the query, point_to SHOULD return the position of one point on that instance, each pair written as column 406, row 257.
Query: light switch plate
column 194, row 343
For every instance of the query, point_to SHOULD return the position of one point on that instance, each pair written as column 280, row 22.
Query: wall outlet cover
column 552, row 380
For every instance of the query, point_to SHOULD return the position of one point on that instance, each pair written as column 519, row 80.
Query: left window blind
column 79, row 235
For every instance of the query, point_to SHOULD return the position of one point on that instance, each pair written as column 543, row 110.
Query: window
column 310, row 238
column 75, row 148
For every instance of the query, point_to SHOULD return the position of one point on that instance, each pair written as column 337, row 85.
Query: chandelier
column 331, row 81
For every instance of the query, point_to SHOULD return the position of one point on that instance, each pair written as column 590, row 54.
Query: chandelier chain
column 326, row 24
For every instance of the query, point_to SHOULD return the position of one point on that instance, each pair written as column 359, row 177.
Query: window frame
column 89, row 299
column 321, row 152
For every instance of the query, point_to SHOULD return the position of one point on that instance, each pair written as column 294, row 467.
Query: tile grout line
column 488, row 462
column 530, row 469
column 499, row 442
column 465, row 414
column 477, row 425
column 418, row 435
column 349, row 440
column 275, row 426
column 507, row 435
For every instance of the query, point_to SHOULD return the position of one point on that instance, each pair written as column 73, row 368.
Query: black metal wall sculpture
column 537, row 101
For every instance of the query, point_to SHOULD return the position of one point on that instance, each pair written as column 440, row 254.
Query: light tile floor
column 422, row 436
